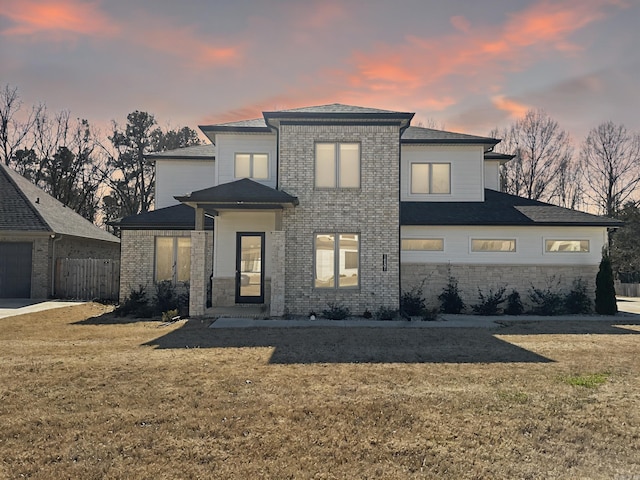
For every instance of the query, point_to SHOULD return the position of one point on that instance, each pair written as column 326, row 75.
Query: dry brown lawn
column 94, row 398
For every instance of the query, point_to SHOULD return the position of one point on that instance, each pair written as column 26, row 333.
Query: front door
column 249, row 267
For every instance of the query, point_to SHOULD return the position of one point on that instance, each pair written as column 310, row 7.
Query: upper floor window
column 555, row 246
column 430, row 178
column 173, row 259
column 252, row 165
column 493, row 245
column 337, row 165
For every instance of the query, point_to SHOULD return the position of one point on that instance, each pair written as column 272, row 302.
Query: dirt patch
column 85, row 395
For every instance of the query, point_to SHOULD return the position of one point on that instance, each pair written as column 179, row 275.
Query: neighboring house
column 35, row 231
column 347, row 205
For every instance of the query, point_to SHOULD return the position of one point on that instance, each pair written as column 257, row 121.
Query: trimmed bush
column 605, row 289
column 336, row 311
column 412, row 301
column 546, row 301
column 577, row 300
column 386, row 313
column 135, row 304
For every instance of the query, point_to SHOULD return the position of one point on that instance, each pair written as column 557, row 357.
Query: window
column 173, row 259
column 555, row 246
column 337, row 257
column 337, row 165
column 430, row 178
column 493, row 245
column 252, row 165
column 423, row 244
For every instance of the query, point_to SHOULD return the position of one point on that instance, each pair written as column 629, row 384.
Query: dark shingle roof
column 256, row 125
column 195, row 152
column 25, row 207
column 503, row 157
column 335, row 108
column 176, row 217
column 240, row 192
column 338, row 111
column 429, row 135
column 498, row 209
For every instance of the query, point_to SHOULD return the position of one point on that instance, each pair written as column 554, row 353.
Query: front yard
column 84, row 396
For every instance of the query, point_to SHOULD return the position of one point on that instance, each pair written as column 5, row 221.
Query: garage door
column 15, row 269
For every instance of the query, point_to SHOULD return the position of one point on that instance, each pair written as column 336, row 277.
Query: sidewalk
column 629, row 310
column 10, row 307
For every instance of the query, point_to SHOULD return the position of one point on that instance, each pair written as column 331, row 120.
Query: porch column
column 197, row 282
column 277, row 274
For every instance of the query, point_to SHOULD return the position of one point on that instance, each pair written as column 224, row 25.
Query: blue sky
column 468, row 66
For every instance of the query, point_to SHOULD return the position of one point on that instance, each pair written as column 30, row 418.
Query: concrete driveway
column 10, row 307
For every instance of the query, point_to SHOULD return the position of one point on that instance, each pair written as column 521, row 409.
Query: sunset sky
column 467, row 65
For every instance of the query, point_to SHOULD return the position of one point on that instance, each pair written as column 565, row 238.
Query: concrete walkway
column 10, row 307
column 629, row 310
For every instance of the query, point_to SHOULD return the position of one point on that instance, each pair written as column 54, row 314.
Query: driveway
column 10, row 307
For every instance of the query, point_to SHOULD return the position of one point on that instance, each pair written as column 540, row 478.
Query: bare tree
column 567, row 186
column 541, row 149
column 13, row 131
column 611, row 158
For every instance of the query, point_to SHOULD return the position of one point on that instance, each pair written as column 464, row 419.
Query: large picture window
column 337, row 165
column 173, row 259
column 252, row 165
column 337, row 263
column 430, row 178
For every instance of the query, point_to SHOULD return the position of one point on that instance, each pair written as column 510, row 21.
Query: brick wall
column 371, row 211
column 137, row 257
column 472, row 277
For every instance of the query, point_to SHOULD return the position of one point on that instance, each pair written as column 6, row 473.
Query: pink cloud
column 57, row 17
column 515, row 109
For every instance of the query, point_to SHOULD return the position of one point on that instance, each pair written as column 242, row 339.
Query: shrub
column 183, row 301
column 490, row 303
column 136, row 303
column 430, row 314
column 165, row 298
column 514, row 304
column 386, row 313
column 605, row 289
column 546, row 301
column 336, row 312
column 450, row 301
column 577, row 300
column 412, row 301
column 367, row 314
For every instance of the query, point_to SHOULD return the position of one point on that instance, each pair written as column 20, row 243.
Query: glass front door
column 249, row 267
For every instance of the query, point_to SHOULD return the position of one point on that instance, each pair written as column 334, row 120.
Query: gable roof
column 194, row 152
column 498, row 209
column 25, row 207
column 176, row 217
column 240, row 194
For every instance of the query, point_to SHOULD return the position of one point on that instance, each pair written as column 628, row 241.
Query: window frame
column 251, row 165
column 336, row 261
column 554, row 252
column 441, row 239
column 337, row 162
column 514, row 240
column 430, row 185
column 175, row 268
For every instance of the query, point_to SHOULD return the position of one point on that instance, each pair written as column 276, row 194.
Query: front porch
column 248, row 271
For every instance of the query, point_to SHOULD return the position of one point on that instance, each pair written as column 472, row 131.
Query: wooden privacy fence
column 87, row 278
column 628, row 289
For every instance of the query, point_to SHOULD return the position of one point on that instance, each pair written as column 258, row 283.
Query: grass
column 86, row 395
column 590, row 380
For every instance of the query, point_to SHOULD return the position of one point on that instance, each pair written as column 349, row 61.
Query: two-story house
column 348, row 205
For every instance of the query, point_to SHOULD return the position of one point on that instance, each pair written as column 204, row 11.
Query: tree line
column 101, row 178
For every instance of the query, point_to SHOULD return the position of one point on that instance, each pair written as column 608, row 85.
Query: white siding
column 230, row 144
column 492, row 175
column 227, row 224
column 466, row 171
column 179, row 177
column 529, row 245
